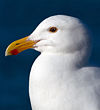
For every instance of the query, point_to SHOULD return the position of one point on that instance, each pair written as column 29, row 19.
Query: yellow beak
column 19, row 45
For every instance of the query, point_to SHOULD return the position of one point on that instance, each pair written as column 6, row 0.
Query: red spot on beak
column 14, row 52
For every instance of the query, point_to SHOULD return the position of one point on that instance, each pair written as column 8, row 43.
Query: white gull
column 60, row 78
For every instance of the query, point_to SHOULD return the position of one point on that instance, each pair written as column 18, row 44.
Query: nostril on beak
column 17, row 43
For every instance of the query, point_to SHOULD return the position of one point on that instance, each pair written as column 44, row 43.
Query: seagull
column 60, row 78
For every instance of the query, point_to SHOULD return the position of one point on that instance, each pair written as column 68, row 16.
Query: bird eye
column 53, row 29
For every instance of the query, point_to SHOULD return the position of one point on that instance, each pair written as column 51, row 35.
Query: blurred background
column 18, row 18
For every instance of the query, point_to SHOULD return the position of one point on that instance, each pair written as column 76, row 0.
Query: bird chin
column 38, row 48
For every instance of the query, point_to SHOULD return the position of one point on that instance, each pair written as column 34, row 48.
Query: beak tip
column 6, row 54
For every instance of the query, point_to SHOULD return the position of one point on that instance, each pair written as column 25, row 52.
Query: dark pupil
column 53, row 29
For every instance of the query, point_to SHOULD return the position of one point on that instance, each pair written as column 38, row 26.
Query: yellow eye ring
column 53, row 29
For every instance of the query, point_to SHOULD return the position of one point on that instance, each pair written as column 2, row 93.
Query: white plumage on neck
column 57, row 84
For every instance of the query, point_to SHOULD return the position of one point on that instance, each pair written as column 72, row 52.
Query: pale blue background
column 18, row 18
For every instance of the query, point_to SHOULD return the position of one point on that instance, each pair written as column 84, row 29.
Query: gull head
column 60, row 33
column 56, row 34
